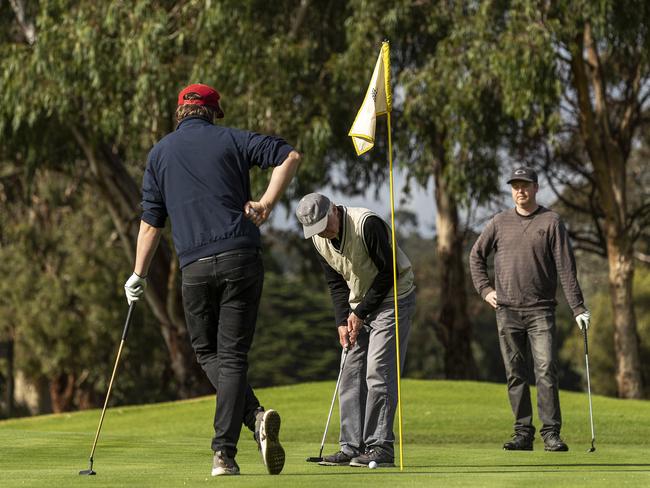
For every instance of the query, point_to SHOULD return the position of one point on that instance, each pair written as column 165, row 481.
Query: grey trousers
column 537, row 327
column 368, row 390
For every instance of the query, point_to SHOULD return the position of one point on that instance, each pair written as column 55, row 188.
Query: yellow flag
column 378, row 101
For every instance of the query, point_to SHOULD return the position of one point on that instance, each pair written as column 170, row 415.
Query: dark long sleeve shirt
column 380, row 252
column 199, row 176
column 530, row 253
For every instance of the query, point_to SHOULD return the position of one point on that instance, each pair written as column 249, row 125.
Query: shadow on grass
column 550, row 466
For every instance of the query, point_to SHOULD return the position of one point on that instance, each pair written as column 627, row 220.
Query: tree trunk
column 121, row 195
column 62, row 391
column 605, row 147
column 626, row 339
column 454, row 327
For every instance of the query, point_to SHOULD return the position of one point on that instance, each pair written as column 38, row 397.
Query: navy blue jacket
column 199, row 176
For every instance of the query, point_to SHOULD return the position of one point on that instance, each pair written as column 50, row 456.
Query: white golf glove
column 134, row 288
column 583, row 320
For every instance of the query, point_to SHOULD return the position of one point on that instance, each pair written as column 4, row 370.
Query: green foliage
column 62, row 302
column 602, row 357
column 470, row 79
column 296, row 339
column 447, row 113
column 112, row 71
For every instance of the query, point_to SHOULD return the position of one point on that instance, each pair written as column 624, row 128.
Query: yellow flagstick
column 392, row 226
column 385, row 49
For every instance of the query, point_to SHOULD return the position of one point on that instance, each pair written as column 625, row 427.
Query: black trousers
column 221, row 296
column 537, row 328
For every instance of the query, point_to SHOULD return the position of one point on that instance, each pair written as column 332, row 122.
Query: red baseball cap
column 209, row 96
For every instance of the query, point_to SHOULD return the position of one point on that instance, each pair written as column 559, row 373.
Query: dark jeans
column 221, row 296
column 537, row 327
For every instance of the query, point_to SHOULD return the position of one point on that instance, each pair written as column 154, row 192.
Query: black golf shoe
column 383, row 459
column 269, row 442
column 337, row 459
column 553, row 442
column 222, row 464
column 519, row 442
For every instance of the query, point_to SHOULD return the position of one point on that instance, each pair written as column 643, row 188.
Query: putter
column 318, row 459
column 591, row 412
column 89, row 471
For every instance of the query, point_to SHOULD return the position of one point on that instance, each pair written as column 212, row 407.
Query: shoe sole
column 518, row 449
column 223, row 472
column 556, row 449
column 272, row 451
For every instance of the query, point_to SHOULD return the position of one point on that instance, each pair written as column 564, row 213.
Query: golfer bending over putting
column 199, row 176
column 531, row 249
column 355, row 251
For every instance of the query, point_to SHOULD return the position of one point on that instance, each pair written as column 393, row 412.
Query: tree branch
column 644, row 258
column 300, row 18
column 631, row 112
column 638, row 221
column 27, row 26
column 597, row 80
column 587, row 124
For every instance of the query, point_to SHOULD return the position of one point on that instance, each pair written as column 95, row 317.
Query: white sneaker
column 272, row 451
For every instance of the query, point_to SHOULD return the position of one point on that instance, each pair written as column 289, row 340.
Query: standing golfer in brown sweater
column 531, row 250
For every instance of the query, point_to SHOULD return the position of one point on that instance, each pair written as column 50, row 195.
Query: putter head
column 592, row 448
column 314, row 459
column 87, row 472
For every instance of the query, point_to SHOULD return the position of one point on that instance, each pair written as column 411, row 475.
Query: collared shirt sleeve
column 266, row 151
column 375, row 236
column 478, row 259
column 154, row 211
column 339, row 292
column 565, row 264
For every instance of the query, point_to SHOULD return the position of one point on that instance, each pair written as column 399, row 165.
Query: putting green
column 453, row 432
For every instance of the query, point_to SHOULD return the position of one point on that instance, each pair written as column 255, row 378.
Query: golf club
column 89, row 471
column 591, row 413
column 318, row 459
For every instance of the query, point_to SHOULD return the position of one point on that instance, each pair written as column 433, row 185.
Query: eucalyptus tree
column 92, row 85
column 577, row 73
column 448, row 126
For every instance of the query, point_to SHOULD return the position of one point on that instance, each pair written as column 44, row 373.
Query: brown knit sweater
column 530, row 253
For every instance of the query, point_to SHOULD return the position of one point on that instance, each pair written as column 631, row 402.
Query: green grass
column 453, row 432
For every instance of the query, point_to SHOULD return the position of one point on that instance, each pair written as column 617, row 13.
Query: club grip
column 128, row 321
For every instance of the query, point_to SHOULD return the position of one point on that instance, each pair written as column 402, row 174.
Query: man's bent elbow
column 295, row 158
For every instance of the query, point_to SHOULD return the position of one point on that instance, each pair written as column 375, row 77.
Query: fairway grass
column 453, row 432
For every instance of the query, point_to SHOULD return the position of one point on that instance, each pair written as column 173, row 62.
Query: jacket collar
column 192, row 121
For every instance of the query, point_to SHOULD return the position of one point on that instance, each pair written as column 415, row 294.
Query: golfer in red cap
column 198, row 176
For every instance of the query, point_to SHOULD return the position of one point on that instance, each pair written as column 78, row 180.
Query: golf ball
column 372, row 465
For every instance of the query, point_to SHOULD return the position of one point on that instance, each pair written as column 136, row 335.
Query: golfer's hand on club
column 355, row 324
column 257, row 212
column 344, row 337
column 134, row 288
column 583, row 320
column 491, row 298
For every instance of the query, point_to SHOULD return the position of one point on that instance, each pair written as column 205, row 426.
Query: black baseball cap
column 523, row 174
